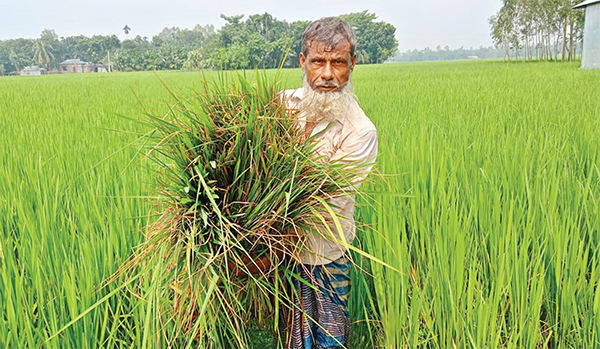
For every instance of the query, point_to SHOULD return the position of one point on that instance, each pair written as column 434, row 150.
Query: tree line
column 540, row 29
column 448, row 54
column 260, row 40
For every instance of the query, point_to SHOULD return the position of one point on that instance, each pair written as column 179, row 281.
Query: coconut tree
column 362, row 57
column 126, row 30
column 42, row 52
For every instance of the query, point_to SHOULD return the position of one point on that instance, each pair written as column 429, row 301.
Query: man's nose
column 327, row 73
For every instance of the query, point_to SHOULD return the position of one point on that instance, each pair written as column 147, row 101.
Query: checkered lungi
column 324, row 321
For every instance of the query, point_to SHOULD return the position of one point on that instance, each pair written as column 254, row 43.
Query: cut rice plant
column 240, row 189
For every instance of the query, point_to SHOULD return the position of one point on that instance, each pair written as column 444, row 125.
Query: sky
column 419, row 24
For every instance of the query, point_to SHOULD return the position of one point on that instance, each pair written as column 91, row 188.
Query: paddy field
column 487, row 202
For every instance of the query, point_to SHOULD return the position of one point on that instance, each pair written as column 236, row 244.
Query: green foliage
column 44, row 49
column 138, row 43
column 376, row 41
column 42, row 53
column 152, row 59
column 184, row 39
column 448, row 54
column 542, row 29
column 16, row 54
column 260, row 41
column 92, row 49
column 197, row 59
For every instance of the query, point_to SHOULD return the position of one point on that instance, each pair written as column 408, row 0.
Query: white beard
column 319, row 106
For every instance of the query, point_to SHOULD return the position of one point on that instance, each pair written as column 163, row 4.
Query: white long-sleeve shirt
column 351, row 139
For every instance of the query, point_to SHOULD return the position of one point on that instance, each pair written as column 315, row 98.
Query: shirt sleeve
column 356, row 151
column 359, row 153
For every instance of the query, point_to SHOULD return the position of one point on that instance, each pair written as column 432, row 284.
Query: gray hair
column 330, row 31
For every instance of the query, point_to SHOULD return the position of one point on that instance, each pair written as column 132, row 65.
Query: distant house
column 72, row 66
column 79, row 66
column 590, row 57
column 32, row 70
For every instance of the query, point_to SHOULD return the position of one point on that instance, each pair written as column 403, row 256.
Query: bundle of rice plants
column 238, row 182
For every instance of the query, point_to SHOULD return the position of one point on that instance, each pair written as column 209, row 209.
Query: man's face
column 327, row 69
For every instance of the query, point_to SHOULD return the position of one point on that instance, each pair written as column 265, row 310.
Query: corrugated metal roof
column 586, row 3
column 79, row 61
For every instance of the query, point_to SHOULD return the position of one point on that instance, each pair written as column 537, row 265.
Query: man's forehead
column 318, row 47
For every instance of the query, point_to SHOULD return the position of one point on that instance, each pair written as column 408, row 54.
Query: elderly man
column 331, row 116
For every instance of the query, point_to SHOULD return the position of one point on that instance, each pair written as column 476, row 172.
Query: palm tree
column 362, row 57
column 126, row 30
column 13, row 57
column 42, row 52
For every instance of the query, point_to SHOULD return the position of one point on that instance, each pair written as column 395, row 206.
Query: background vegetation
column 522, row 29
column 448, row 54
column 489, row 207
column 258, row 41
column 540, row 29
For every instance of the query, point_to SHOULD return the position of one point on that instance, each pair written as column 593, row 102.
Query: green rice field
column 487, row 204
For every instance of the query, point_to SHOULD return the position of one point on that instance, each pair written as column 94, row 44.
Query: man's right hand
column 254, row 265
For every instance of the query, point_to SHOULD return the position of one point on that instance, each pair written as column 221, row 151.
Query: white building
column 32, row 70
column 79, row 66
column 590, row 57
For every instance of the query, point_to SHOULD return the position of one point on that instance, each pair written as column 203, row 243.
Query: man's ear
column 353, row 62
column 302, row 60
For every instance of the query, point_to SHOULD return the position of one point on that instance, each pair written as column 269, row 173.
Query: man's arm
column 358, row 153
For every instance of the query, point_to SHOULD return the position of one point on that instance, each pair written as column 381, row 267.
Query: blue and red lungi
column 319, row 317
